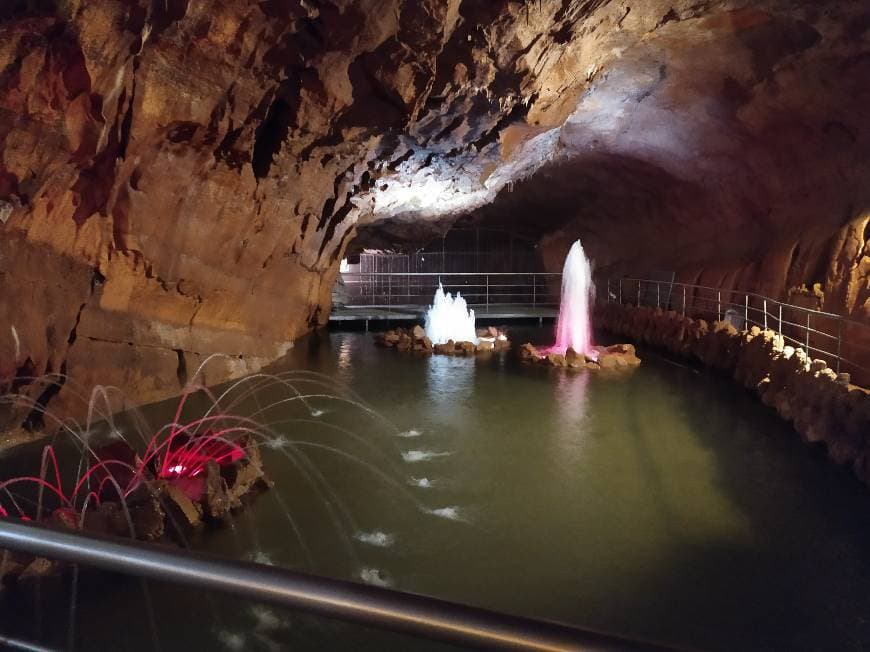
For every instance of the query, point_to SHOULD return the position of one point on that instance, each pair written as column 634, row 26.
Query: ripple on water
column 277, row 443
column 410, row 433
column 260, row 557
column 266, row 618
column 232, row 640
column 422, row 456
column 374, row 576
column 451, row 513
column 423, row 483
column 376, row 538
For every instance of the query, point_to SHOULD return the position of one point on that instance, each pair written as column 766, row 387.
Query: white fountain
column 449, row 318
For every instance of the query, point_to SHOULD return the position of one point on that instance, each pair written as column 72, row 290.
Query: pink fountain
column 574, row 328
column 573, row 347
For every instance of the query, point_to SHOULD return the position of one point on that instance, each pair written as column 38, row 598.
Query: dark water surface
column 667, row 504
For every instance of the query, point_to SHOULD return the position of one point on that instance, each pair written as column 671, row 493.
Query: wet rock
column 528, row 353
column 217, row 503
column 243, row 476
column 556, row 360
column 447, row 348
column 423, row 345
column 65, row 518
column 405, row 342
column 418, row 332
column 181, row 508
column 465, row 348
column 110, row 519
column 11, row 566
column 119, row 460
column 146, row 512
column 485, row 346
column 501, row 343
column 573, row 359
column 39, row 568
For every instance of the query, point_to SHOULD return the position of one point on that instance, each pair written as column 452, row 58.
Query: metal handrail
column 480, row 289
column 359, row 603
column 441, row 274
column 750, row 294
column 719, row 304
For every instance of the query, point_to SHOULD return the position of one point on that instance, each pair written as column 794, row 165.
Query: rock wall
column 822, row 405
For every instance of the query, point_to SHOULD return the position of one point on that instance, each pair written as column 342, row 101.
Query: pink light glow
column 574, row 326
column 180, row 458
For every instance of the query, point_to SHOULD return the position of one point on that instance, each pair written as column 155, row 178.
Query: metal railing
column 359, row 603
column 388, row 289
column 843, row 343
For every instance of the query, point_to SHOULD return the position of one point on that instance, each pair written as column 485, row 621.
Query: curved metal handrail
column 842, row 323
column 359, row 603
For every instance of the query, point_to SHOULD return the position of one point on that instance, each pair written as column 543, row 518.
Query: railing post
column 809, row 314
column 487, row 291
column 534, row 288
column 638, row 295
column 684, row 300
column 719, row 305
column 780, row 322
column 389, row 292
column 608, row 289
column 839, row 342
column 765, row 314
column 620, row 291
column 658, row 295
column 746, row 313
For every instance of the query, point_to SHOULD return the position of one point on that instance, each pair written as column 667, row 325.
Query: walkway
column 507, row 312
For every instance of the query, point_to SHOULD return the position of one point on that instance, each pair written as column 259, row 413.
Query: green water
column 667, row 504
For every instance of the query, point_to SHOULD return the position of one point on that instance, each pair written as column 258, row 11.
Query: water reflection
column 570, row 395
column 450, row 387
column 570, row 427
column 345, row 355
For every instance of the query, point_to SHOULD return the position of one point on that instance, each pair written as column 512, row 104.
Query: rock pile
column 822, row 405
column 159, row 509
column 402, row 339
column 610, row 358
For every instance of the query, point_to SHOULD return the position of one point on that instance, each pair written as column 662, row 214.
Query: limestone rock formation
column 180, row 178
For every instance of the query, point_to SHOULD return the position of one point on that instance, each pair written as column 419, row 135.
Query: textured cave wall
column 180, row 177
